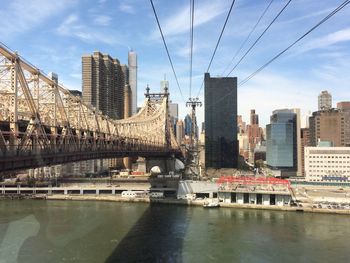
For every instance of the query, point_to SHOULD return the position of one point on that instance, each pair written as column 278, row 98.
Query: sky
column 53, row 35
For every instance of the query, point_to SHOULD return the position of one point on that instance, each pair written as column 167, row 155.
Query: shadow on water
column 158, row 236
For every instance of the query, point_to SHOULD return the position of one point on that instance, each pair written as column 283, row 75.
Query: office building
column 103, row 84
column 76, row 93
column 241, row 124
column 174, row 114
column 164, row 86
column 344, row 107
column 328, row 126
column 260, row 152
column 305, row 142
column 179, row 131
column 324, row 100
column 221, row 145
column 174, row 110
column 327, row 164
column 132, row 62
column 127, row 92
column 283, row 145
column 243, row 143
column 188, row 125
column 242, row 137
column 255, row 134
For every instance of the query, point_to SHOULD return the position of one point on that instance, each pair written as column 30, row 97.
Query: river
column 92, row 231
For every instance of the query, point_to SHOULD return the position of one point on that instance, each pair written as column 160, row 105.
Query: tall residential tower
column 132, row 61
column 103, row 84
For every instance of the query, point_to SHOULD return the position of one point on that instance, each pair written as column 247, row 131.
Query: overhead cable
column 341, row 6
column 248, row 36
column 191, row 43
column 166, row 48
column 261, row 35
column 218, row 42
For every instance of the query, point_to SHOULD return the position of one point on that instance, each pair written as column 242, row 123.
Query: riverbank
column 193, row 203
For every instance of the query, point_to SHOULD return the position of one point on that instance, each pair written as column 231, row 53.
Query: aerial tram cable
column 261, row 35
column 341, row 6
column 244, row 81
column 191, row 42
column 248, row 36
column 217, row 43
column 167, row 50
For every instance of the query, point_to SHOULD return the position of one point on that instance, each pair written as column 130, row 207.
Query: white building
column 327, row 164
column 324, row 100
column 132, row 63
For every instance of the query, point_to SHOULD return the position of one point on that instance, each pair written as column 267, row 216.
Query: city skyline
column 57, row 34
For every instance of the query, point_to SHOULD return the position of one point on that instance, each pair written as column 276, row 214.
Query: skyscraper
column 127, row 92
column 324, row 100
column 221, row 145
column 283, row 145
column 164, row 86
column 103, row 84
column 344, row 107
column 305, row 142
column 188, row 125
column 254, row 134
column 179, row 131
column 132, row 62
column 328, row 126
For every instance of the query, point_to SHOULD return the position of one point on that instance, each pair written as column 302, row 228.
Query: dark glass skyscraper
column 221, row 145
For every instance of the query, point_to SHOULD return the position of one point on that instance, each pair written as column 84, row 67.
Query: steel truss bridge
column 42, row 123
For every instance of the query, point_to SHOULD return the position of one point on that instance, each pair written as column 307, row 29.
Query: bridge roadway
column 42, row 123
column 11, row 163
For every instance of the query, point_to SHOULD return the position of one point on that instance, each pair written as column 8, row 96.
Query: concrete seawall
column 169, row 201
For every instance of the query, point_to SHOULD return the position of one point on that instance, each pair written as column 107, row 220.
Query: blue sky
column 53, row 35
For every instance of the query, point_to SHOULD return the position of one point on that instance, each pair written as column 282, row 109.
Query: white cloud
column 326, row 41
column 276, row 92
column 102, row 20
column 179, row 22
column 126, row 8
column 72, row 26
column 307, row 16
column 20, row 17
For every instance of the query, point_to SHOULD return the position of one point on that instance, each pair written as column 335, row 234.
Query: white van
column 156, row 195
column 129, row 194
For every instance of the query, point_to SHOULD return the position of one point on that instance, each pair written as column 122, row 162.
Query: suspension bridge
column 42, row 123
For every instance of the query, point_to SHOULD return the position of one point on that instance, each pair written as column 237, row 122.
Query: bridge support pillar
column 97, row 191
column 65, row 191
column 81, row 191
column 113, row 191
column 127, row 162
column 166, row 164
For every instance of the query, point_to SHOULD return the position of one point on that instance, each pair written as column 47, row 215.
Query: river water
column 77, row 231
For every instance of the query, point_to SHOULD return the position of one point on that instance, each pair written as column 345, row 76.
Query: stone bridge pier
column 166, row 165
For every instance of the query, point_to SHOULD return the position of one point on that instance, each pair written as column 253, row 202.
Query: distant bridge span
column 42, row 123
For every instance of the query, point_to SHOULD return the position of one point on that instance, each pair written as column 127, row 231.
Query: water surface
column 77, row 231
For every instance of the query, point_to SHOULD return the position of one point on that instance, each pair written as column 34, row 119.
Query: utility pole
column 192, row 158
